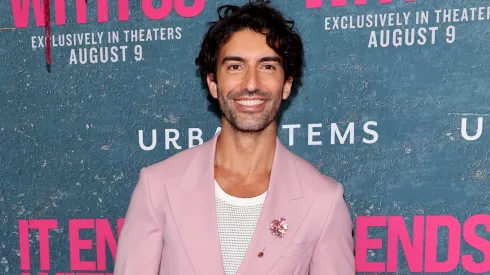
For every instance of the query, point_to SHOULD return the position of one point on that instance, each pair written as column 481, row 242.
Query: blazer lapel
column 194, row 210
column 284, row 199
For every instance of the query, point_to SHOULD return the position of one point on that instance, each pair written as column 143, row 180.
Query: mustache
column 257, row 92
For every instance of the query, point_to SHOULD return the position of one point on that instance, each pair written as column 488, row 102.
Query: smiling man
column 241, row 203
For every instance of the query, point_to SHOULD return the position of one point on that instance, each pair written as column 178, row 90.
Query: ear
column 286, row 90
column 212, row 85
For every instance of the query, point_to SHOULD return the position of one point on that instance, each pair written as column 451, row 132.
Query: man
column 241, row 203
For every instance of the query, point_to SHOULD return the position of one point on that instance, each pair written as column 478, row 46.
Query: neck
column 246, row 153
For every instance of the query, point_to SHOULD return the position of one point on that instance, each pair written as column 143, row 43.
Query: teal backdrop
column 395, row 105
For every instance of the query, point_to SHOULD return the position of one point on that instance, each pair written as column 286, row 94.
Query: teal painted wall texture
column 404, row 128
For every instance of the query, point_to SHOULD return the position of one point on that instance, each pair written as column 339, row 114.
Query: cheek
column 273, row 83
column 227, row 84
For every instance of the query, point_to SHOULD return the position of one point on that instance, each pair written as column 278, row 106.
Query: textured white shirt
column 237, row 218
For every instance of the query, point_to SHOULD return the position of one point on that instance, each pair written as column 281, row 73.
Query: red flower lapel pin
column 279, row 227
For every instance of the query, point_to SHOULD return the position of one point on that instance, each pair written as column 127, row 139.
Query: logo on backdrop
column 471, row 119
column 315, row 136
column 103, row 46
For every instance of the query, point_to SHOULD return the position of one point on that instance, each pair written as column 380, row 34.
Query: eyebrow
column 241, row 59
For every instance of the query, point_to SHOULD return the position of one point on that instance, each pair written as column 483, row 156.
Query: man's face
column 249, row 82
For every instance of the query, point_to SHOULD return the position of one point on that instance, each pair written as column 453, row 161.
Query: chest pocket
column 296, row 249
column 294, row 261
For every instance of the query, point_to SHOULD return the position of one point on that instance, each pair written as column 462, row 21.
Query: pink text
column 420, row 248
column 20, row 10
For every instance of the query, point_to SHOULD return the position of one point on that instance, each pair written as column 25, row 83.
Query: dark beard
column 253, row 123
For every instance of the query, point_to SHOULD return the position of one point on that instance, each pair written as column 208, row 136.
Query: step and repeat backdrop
column 395, row 105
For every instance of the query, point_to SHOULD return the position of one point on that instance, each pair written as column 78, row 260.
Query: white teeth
column 250, row 102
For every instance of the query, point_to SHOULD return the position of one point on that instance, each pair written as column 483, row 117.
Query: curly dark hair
column 260, row 17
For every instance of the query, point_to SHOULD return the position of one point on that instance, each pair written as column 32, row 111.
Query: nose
column 251, row 80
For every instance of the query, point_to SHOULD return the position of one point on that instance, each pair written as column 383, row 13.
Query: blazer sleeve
column 334, row 252
column 140, row 243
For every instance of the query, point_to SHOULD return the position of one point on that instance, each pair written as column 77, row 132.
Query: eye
column 234, row 67
column 269, row 67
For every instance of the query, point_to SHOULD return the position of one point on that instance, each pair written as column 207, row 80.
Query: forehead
column 247, row 44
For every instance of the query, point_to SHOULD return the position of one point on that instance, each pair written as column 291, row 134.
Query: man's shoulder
column 172, row 166
column 312, row 178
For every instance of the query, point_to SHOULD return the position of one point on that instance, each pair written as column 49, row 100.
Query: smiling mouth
column 253, row 102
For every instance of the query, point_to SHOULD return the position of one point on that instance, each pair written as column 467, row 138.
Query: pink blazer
column 171, row 229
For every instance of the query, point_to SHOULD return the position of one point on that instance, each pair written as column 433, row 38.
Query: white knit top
column 237, row 218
